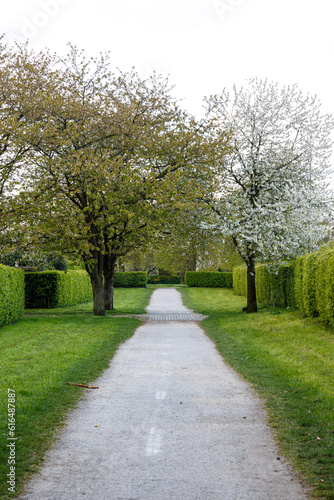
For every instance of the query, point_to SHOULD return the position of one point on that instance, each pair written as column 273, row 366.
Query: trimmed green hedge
column 240, row 280
column 207, row 279
column 130, row 280
column 75, row 288
column 164, row 280
column 272, row 288
column 307, row 284
column 324, row 293
column 314, row 285
column 50, row 289
column 298, row 283
column 290, row 285
column 263, row 284
column 11, row 294
column 276, row 288
column 314, row 279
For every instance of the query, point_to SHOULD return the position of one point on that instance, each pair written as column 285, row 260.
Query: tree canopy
column 273, row 194
column 107, row 155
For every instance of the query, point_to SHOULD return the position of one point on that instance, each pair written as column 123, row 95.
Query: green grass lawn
column 42, row 352
column 289, row 360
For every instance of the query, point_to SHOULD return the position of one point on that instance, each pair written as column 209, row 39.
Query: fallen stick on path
column 82, row 385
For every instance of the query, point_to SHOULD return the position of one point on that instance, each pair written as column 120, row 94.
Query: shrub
column 273, row 287
column 310, row 264
column 307, row 283
column 324, row 279
column 41, row 289
column 209, row 279
column 50, row 289
column 75, row 288
column 298, row 285
column 290, row 285
column 164, row 280
column 262, row 280
column 130, row 280
column 278, row 287
column 240, row 280
column 309, row 279
column 11, row 294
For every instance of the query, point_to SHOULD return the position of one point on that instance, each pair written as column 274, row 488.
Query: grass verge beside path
column 42, row 352
column 289, row 360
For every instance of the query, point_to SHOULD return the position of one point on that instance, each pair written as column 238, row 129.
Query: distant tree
column 229, row 256
column 186, row 242
column 36, row 259
column 139, row 261
column 177, row 251
column 273, row 194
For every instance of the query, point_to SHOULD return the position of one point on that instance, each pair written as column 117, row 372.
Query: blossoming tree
column 273, row 194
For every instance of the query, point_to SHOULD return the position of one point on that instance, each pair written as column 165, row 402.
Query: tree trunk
column 98, row 294
column 109, row 263
column 192, row 259
column 251, row 288
column 96, row 278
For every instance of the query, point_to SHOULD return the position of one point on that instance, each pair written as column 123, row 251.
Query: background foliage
column 209, row 279
column 36, row 259
column 164, row 280
column 130, row 280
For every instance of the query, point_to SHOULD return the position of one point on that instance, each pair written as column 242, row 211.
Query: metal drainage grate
column 171, row 317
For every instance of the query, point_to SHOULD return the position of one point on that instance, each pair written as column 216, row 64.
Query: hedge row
column 50, row 289
column 130, row 280
column 314, row 285
column 275, row 288
column 164, row 280
column 11, row 294
column 272, row 288
column 240, row 280
column 209, row 279
column 307, row 284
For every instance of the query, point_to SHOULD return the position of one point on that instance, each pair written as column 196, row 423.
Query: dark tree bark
column 109, row 263
column 249, row 258
column 98, row 295
column 192, row 261
column 95, row 272
column 251, row 288
column 192, row 256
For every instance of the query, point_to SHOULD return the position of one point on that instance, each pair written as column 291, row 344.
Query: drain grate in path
column 171, row 317
column 164, row 317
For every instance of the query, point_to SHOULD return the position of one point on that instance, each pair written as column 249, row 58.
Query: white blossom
column 274, row 200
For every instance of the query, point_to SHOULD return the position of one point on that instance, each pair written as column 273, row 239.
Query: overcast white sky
column 204, row 45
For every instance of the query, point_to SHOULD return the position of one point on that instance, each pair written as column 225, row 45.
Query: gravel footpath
column 170, row 421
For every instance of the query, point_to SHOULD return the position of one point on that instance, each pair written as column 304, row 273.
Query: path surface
column 170, row 421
